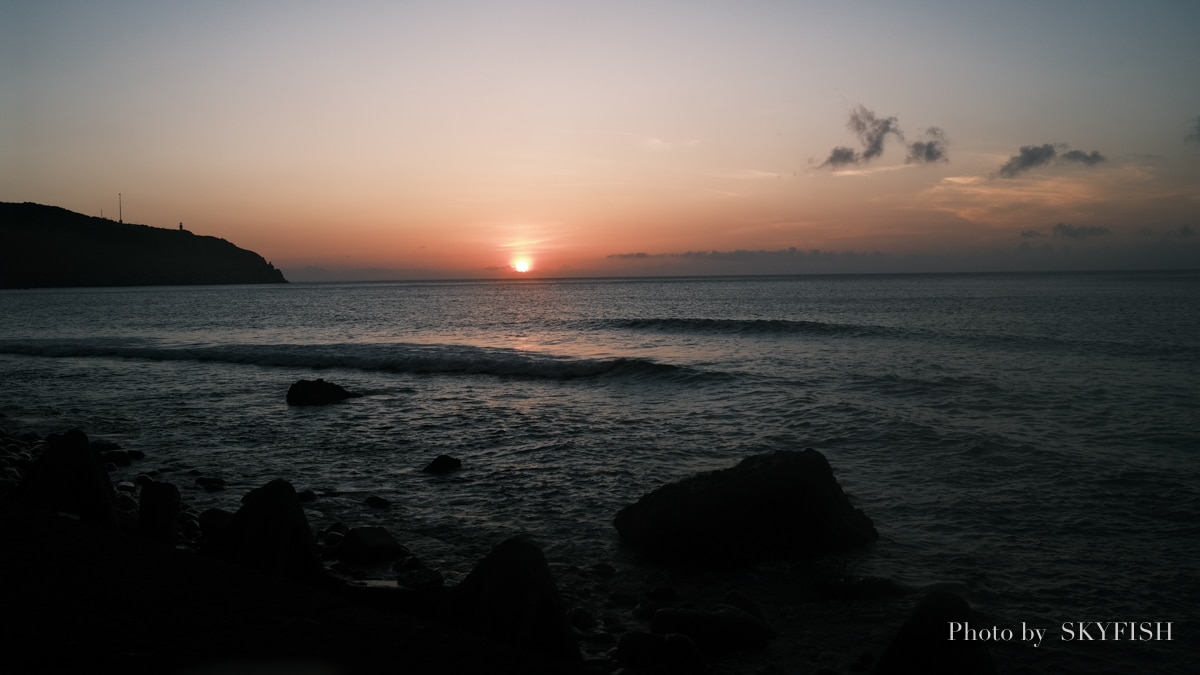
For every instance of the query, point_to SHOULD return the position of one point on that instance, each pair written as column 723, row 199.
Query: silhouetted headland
column 48, row 246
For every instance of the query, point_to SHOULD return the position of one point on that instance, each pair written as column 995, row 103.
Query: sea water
column 1031, row 441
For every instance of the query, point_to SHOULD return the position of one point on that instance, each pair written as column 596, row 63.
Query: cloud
column 1033, row 156
column 1079, row 232
column 1173, row 234
column 928, row 150
column 1082, row 157
column 841, row 156
column 1194, row 137
column 873, row 131
column 1031, row 234
column 1028, row 157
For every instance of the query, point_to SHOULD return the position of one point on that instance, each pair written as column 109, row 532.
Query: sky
column 451, row 139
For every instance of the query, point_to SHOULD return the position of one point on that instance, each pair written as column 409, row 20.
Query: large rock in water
column 317, row 392
column 785, row 504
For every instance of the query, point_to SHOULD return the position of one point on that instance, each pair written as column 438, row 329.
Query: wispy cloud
column 841, row 156
column 873, row 132
column 1032, row 156
column 1087, row 159
column 1028, row 157
column 931, row 148
column 1194, row 136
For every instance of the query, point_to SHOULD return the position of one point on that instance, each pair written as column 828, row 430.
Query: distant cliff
column 49, row 246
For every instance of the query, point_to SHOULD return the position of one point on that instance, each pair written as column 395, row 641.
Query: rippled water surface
column 1029, row 440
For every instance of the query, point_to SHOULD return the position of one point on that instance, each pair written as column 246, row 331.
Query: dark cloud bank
column 1066, row 248
column 1069, row 231
column 1033, row 156
column 873, row 131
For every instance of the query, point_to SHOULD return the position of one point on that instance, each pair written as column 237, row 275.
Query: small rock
column 127, row 502
column 601, row 570
column 317, row 392
column 423, row 579
column 116, row 457
column 214, row 520
column 211, row 483
column 367, row 545
column 377, row 502
column 443, row 464
column 307, row 496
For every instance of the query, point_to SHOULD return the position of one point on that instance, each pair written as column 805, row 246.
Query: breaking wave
column 744, row 326
column 422, row 359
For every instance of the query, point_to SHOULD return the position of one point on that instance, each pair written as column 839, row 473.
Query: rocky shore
column 127, row 577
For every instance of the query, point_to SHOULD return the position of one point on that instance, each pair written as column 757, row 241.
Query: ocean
column 1031, row 441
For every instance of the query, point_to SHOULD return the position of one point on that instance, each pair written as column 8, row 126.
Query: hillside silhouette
column 46, row 246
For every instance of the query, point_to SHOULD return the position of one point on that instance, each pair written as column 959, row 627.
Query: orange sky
column 448, row 139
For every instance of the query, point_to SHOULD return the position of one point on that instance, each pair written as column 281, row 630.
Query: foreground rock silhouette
column 511, row 596
column 271, row 534
column 921, row 644
column 785, row 504
column 89, row 592
column 69, row 477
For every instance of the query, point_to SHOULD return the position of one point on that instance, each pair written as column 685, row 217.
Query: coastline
column 84, row 594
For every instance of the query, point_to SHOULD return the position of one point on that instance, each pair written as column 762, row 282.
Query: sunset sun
column 522, row 264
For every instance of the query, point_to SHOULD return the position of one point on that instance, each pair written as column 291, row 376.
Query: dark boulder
column 368, row 545
column 213, row 520
column 317, row 392
column 443, row 464
column 511, row 596
column 158, row 509
column 784, row 504
column 271, row 534
column 922, row 644
column 69, row 477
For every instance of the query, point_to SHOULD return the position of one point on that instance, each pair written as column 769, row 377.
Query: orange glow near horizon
column 522, row 264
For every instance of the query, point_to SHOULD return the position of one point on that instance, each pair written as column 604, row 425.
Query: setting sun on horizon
column 716, row 139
